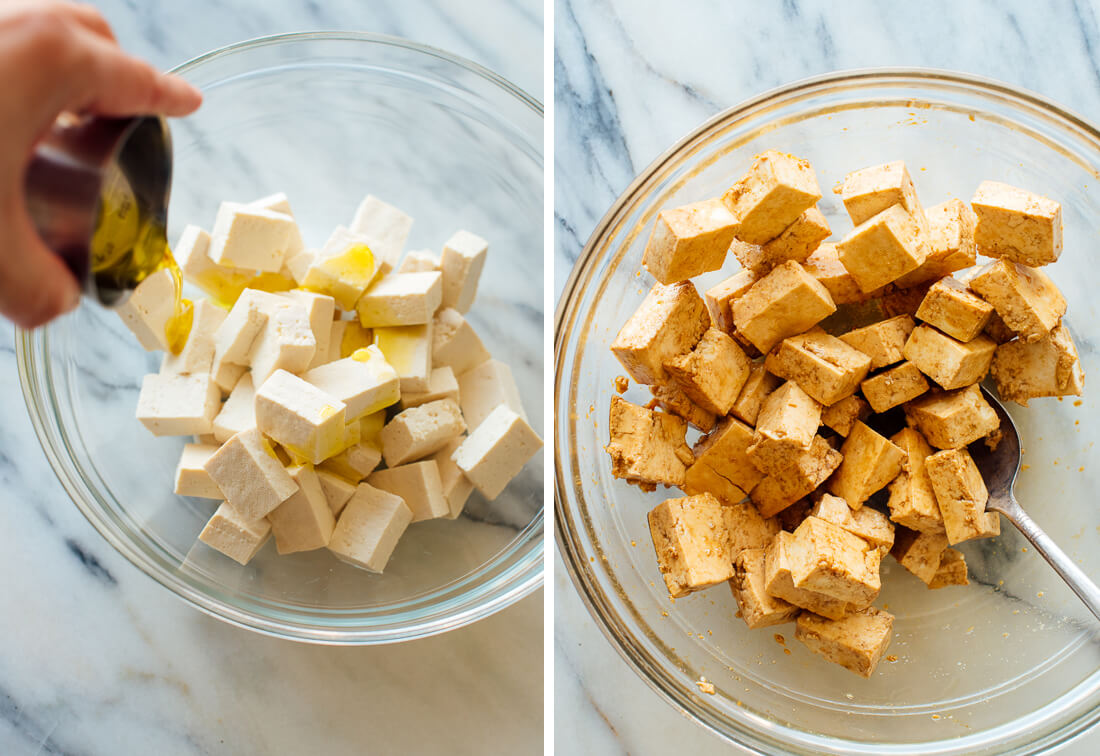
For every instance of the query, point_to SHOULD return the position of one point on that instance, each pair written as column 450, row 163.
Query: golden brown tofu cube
column 919, row 552
column 844, row 414
column 759, row 385
column 950, row 242
column 722, row 466
column 787, row 423
column 689, row 240
column 1017, row 225
column 869, row 524
column 912, row 501
column 826, row 558
column 779, row 582
column 870, row 461
column 669, row 322
column 823, row 366
column 713, row 373
column 796, row 243
column 795, row 477
column 883, row 342
column 962, row 496
column 952, row 570
column 998, row 330
column 785, row 302
column 855, row 642
column 952, row 308
column 673, row 400
column 719, row 297
column 894, row 386
column 953, row 419
column 883, row 248
column 758, row 609
column 949, row 362
column 1026, row 299
column 776, row 190
column 692, row 543
column 647, row 447
column 747, row 528
column 1047, row 367
column 869, row 191
column 897, row 301
column 825, row 266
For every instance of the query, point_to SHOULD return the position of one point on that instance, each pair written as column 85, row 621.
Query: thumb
column 35, row 285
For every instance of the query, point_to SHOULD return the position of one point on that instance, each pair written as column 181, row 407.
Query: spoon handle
column 1074, row 576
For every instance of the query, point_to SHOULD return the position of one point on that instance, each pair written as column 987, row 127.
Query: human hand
column 58, row 56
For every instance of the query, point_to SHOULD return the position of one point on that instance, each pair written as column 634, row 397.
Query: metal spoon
column 999, row 468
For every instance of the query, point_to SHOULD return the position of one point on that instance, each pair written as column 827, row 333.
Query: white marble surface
column 633, row 77
column 101, row 660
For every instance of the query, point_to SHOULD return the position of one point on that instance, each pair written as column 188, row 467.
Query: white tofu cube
column 191, row 477
column 304, row 521
column 298, row 265
column 496, row 451
column 401, row 299
column 419, row 260
column 337, row 490
column 356, row 462
column 178, row 405
column 364, row 382
column 369, row 528
column 279, row 203
column 442, row 384
column 286, row 343
column 226, row 375
column 249, row 237
column 336, row 339
column 409, row 350
column 237, row 538
column 239, row 411
column 320, row 308
column 419, row 431
column 486, row 387
column 304, row 420
column 343, row 268
column 235, row 337
column 455, row 343
column 418, row 484
column 150, row 306
column 463, row 258
column 197, row 355
column 456, row 487
column 387, row 229
column 252, row 478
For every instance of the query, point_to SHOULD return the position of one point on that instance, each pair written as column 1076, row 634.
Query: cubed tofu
column 337, row 489
column 419, row 431
column 894, row 386
column 192, row 479
column 455, row 343
column 721, row 466
column 456, row 487
column 713, row 373
column 1026, row 299
column 496, row 451
column 952, row 570
column 1047, row 367
column 797, row 241
column 197, row 355
column 919, row 552
column 953, row 419
column 870, row 462
column 779, row 583
column 304, row 521
column 962, row 496
column 869, row 191
column 788, row 422
column 1017, row 225
column 298, row 265
column 719, row 297
column 250, row 476
column 285, row 343
column 484, row 388
column 149, row 308
column 320, row 309
column 249, row 237
column 280, row 203
column 418, row 484
column 299, row 416
column 442, row 384
column 895, row 301
column 409, row 350
column 355, row 462
column 855, row 642
column 912, row 501
column 825, row 267
column 369, row 528
column 668, row 323
column 796, row 477
column 884, row 341
column 420, row 260
column 238, row 413
column 950, row 242
column 998, row 330
column 883, row 248
column 777, row 189
column 748, row 529
column 758, row 386
column 386, row 229
column 692, row 543
column 844, row 414
column 178, row 405
column 343, row 267
column 237, row 538
column 688, row 241
column 827, row 559
column 364, row 382
column 463, row 259
column 952, row 308
column 401, row 299
column 869, row 524
column 758, row 609
column 823, row 366
column 673, row 399
column 783, row 303
column 949, row 362
column 235, row 338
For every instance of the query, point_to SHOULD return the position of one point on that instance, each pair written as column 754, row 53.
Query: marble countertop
column 101, row 660
column 631, row 78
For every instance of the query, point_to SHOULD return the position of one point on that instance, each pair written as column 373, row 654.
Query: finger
column 35, row 285
column 117, row 84
column 91, row 19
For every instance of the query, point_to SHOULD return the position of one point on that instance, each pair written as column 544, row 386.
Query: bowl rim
column 505, row 588
column 646, row 666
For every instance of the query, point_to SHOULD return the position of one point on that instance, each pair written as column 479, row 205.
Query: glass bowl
column 327, row 118
column 1010, row 663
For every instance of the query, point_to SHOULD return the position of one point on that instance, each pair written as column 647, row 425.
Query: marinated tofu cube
column 777, row 189
column 338, row 490
column 997, row 330
column 401, row 299
column 952, row 570
column 197, row 355
column 647, row 447
column 462, row 262
column 950, row 242
column 238, row 413
column 788, row 422
column 249, row 237
column 419, row 431
column 912, row 501
column 721, row 466
column 692, row 543
column 949, row 362
column 689, row 240
column 304, row 521
column 918, row 552
column 442, row 384
column 364, row 382
column 962, row 496
column 798, row 477
column 419, row 261
column 895, row 301
column 1017, row 225
column 192, row 479
column 1026, row 299
column 883, row 248
column 823, row 366
column 713, row 373
column 178, row 405
column 456, row 487
column 343, row 268
column 369, row 528
column 304, row 420
column 797, row 241
column 779, row 582
column 825, row 267
column 827, row 559
column 1047, row 367
column 758, row 609
column 855, row 642
column 409, row 350
column 869, row 524
column 883, row 342
column 237, row 538
column 250, row 476
column 150, row 306
column 869, row 191
column 496, row 450
column 758, row 386
column 953, row 419
column 719, row 298
column 673, row 399
column 844, row 414
column 385, row 228
column 870, row 462
column 285, row 343
column 748, row 529
column 484, row 388
column 668, row 323
column 455, row 344
column 419, row 486
column 894, row 386
column 783, row 303
column 952, row 308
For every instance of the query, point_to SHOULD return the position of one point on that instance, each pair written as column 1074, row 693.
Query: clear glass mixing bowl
column 1010, row 663
column 326, row 118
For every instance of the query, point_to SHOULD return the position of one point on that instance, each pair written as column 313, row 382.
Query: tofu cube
column 419, row 431
column 919, row 552
column 1026, row 299
column 320, row 309
column 197, row 355
column 825, row 267
column 1048, row 367
column 496, row 451
column 668, row 323
column 719, row 297
column 673, row 399
column 280, row 203
column 485, row 387
column 844, row 414
column 952, row 308
column 796, row 477
column 249, row 237
column 409, row 350
column 369, row 528
column 949, row 362
column 149, row 308
column 692, row 543
column 304, row 420
column 758, row 609
column 912, row 501
column 442, row 384
column 779, row 581
column 689, row 240
column 456, row 487
column 337, row 489
column 894, row 386
column 827, row 559
column 883, row 248
column 783, row 303
column 869, row 191
column 953, row 419
column 418, row 484
column 239, row 411
column 777, row 189
column 455, row 344
column 343, row 268
column 713, row 373
column 463, row 259
column 298, row 265
column 401, row 299
column 250, row 476
column 855, row 642
column 355, row 462
column 747, row 528
column 950, row 241
column 191, row 477
column 1017, row 225
column 788, row 422
column 235, row 337
column 952, row 570
column 365, row 383
column 962, row 496
column 286, row 342
column 178, row 405
column 759, row 385
column 823, row 366
column 419, row 261
column 797, row 241
column 884, row 341
column 386, row 229
column 721, row 465
column 998, row 330
column 239, row 539
column 870, row 462
column 869, row 524
column 304, row 521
